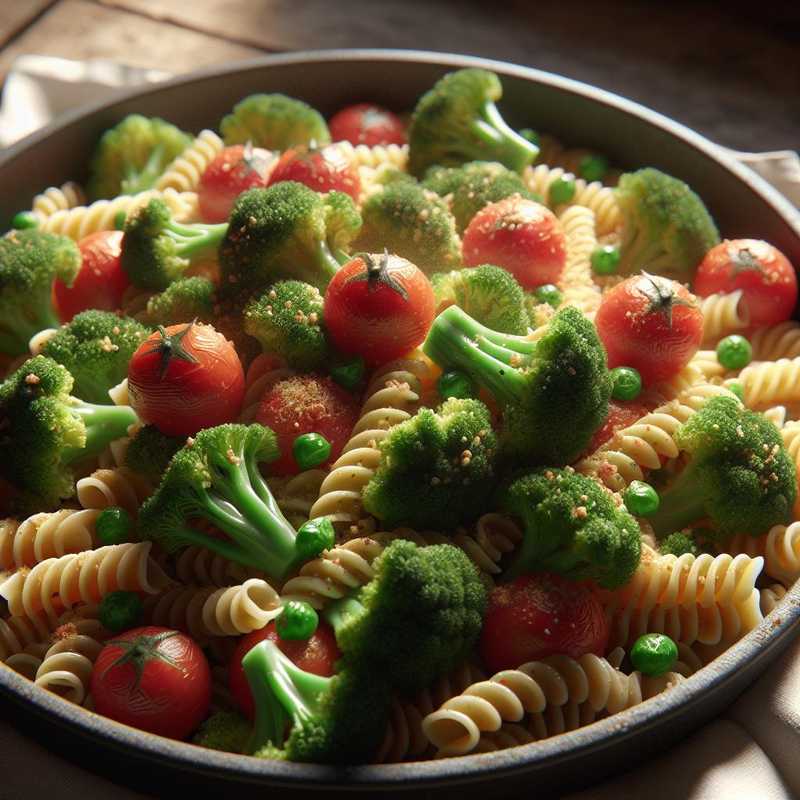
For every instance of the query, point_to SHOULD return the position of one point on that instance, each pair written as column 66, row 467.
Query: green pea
column 736, row 388
column 734, row 352
column 641, row 499
column 297, row 621
column 113, row 526
column 313, row 537
column 23, row 220
column 120, row 218
column 593, row 168
column 456, row 384
column 654, row 654
column 311, row 450
column 531, row 135
column 562, row 190
column 548, row 293
column 120, row 611
column 626, row 383
column 349, row 374
column 605, row 259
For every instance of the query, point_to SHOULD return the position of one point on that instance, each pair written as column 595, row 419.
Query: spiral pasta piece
column 26, row 664
column 46, row 535
column 576, row 283
column 773, row 342
column 57, row 584
column 206, row 611
column 200, row 566
column 790, row 434
column 771, row 382
column 779, row 547
column 707, row 363
column 57, row 198
column 114, row 487
column 20, row 632
column 295, row 495
column 66, row 668
column 184, row 173
column 723, row 314
column 771, row 596
column 362, row 155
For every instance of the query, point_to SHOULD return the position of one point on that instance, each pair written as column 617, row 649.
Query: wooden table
column 732, row 74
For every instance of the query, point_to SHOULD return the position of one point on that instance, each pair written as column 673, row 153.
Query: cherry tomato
column 378, row 307
column 520, row 235
column 186, row 378
column 155, row 679
column 100, row 282
column 322, row 170
column 307, row 404
column 365, row 123
column 235, row 170
column 621, row 413
column 764, row 274
column 538, row 616
column 316, row 655
column 650, row 323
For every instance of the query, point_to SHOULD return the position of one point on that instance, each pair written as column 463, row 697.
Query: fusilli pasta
column 773, row 342
column 114, row 487
column 771, row 382
column 576, row 283
column 66, row 667
column 184, row 173
column 57, row 198
column 723, row 314
column 779, row 547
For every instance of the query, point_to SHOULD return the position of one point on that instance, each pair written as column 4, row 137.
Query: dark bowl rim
column 755, row 646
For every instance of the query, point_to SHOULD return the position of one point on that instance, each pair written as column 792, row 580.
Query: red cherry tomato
column 155, row 679
column 322, row 170
column 764, row 274
column 186, row 378
column 378, row 307
column 538, row 616
column 520, row 235
column 235, row 170
column 365, row 123
column 621, row 414
column 100, row 282
column 317, row 655
column 650, row 323
column 307, row 404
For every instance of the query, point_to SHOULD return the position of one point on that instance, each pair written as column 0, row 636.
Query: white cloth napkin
column 749, row 753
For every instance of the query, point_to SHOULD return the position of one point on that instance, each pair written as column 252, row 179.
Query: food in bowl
column 390, row 451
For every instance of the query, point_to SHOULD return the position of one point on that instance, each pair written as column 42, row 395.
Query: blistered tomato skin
column 766, row 277
column 366, row 123
column 322, row 170
column 101, row 281
column 187, row 378
column 541, row 615
column 519, row 235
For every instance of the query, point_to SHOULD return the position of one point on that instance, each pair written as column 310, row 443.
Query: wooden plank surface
column 15, row 15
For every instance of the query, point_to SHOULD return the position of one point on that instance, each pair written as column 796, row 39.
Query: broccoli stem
column 135, row 182
column 681, row 504
column 103, row 425
column 508, row 146
column 193, row 239
column 329, row 259
column 340, row 612
column 21, row 320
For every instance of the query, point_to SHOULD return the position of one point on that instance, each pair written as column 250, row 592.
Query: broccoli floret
column 489, row 294
column 436, row 469
column 43, row 430
column 667, row 229
column 411, row 222
column 96, row 347
column 738, row 475
column 678, row 544
column 287, row 231
column 458, row 121
column 275, row 122
column 553, row 392
column 416, row 620
column 157, row 250
column 131, row 156
column 215, row 477
column 150, row 452
column 226, row 731
column 29, row 263
column 182, row 301
column 572, row 527
column 473, row 186
column 287, row 320
column 336, row 720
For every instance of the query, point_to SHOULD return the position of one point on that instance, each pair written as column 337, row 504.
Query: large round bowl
column 632, row 136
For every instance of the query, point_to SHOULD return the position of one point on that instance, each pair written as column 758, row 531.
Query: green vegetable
column 45, row 430
column 572, row 527
column 184, row 300
column 738, row 474
column 553, row 392
column 548, row 293
column 436, row 468
column 593, row 168
column 561, row 190
column 678, row 544
column 130, row 157
column 458, row 121
column 666, row 228
column 29, row 263
column 226, row 731
column 489, row 294
column 121, row 611
column 287, row 320
column 412, row 222
column 531, row 135
column 96, row 347
column 313, row 537
column 605, row 259
column 456, row 384
column 641, row 499
column 654, row 654
column 737, row 388
column 310, row 450
column 298, row 621
column 113, row 526
column 626, row 383
column 275, row 122
column 23, row 220
column 349, row 374
column 734, row 352
column 150, row 452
